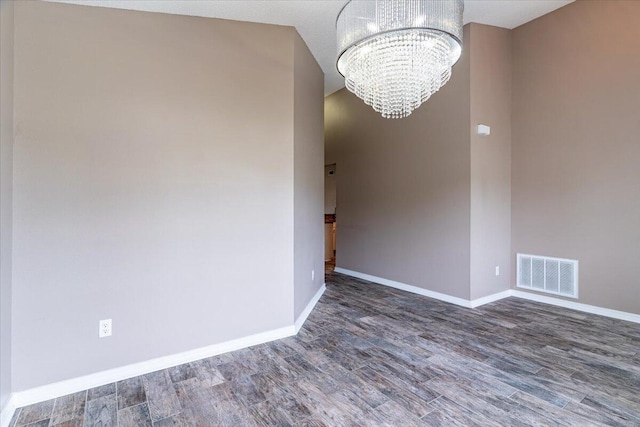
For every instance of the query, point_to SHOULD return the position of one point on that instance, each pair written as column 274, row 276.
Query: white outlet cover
column 104, row 328
column 497, row 271
column 484, row 130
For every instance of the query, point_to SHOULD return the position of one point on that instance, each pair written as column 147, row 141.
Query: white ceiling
column 315, row 19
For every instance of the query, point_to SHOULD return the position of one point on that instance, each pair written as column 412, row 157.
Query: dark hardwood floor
column 372, row 356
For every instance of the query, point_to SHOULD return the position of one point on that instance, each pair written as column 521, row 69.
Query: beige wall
column 490, row 103
column 308, row 176
column 404, row 187
column 576, row 146
column 153, row 184
column 6, row 183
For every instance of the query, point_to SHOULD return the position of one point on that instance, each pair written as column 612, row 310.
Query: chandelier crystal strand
column 395, row 54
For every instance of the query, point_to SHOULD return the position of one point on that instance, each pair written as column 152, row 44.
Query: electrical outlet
column 497, row 271
column 313, row 275
column 104, row 328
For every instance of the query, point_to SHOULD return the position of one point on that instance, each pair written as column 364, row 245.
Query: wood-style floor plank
column 102, row 412
column 69, row 410
column 36, row 413
column 130, row 392
column 135, row 416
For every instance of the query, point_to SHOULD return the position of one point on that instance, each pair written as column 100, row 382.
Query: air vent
column 545, row 274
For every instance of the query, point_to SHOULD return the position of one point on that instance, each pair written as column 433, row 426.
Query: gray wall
column 6, row 183
column 308, row 176
column 153, row 184
column 404, row 187
column 490, row 53
column 576, row 149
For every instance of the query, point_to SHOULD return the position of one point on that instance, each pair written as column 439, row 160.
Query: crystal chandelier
column 395, row 54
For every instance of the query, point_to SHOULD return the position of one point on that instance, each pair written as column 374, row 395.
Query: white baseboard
column 6, row 413
column 62, row 388
column 424, row 292
column 593, row 309
column 74, row 385
column 616, row 314
column 309, row 308
column 490, row 298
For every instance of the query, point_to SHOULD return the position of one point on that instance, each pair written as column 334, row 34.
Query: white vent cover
column 545, row 274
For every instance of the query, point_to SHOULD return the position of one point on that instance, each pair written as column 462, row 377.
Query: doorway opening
column 330, row 188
